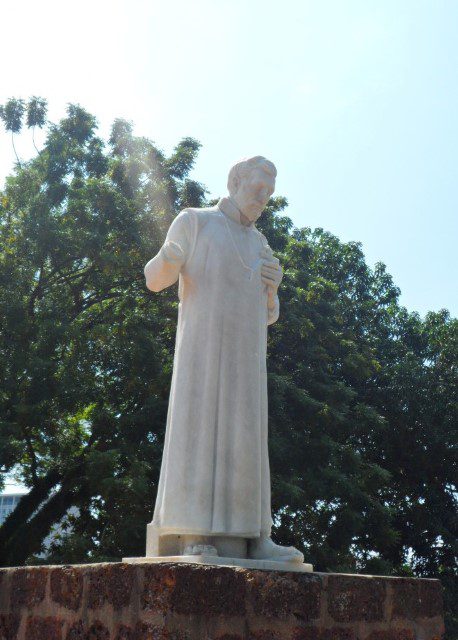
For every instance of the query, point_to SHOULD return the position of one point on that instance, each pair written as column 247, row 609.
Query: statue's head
column 251, row 182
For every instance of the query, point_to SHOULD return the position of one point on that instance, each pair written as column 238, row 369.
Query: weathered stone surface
column 354, row 599
column 279, row 595
column 67, row 587
column 337, row 633
column 77, row 631
column 191, row 593
column 9, row 625
column 413, row 598
column 202, row 602
column 314, row 633
column 125, row 633
column 306, row 633
column 39, row 628
column 392, row 634
column 265, row 634
column 110, row 583
column 28, row 587
column 145, row 631
column 98, row 631
column 158, row 587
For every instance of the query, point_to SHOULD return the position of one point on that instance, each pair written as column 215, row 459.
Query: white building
column 9, row 499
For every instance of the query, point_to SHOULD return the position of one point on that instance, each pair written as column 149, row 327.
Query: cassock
column 215, row 476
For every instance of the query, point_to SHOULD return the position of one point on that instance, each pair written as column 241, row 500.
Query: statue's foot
column 265, row 549
column 200, row 550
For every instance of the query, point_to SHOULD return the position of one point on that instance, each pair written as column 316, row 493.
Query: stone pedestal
column 190, row 602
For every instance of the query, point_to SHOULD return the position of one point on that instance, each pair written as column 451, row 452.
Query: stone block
column 48, row 628
column 413, row 598
column 144, row 631
column 314, row 633
column 191, row 593
column 306, row 633
column 9, row 625
column 110, row 583
column 431, row 598
column 338, row 633
column 67, row 587
column 124, row 633
column 355, row 599
column 76, row 631
column 392, row 634
column 28, row 587
column 279, row 595
column 97, row 631
column 158, row 587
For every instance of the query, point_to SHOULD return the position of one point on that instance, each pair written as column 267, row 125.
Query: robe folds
column 215, row 477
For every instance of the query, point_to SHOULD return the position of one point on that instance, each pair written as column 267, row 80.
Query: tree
column 85, row 359
column 36, row 115
column 11, row 113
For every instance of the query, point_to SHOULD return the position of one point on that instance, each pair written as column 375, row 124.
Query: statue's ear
column 236, row 183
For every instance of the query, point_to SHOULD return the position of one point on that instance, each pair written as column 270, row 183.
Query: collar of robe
column 230, row 209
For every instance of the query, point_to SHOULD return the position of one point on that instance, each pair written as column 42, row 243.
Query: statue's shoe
column 266, row 549
column 200, row 550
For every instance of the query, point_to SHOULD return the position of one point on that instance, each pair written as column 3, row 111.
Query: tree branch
column 28, row 538
column 27, row 505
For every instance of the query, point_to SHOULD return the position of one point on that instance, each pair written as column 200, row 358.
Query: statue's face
column 253, row 192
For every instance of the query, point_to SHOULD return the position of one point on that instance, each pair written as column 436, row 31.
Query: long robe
column 215, row 477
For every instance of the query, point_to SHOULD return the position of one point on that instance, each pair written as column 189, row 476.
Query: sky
column 355, row 101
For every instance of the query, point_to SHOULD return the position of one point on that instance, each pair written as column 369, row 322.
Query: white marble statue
column 214, row 489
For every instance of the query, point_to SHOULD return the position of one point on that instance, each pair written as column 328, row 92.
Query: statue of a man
column 214, row 489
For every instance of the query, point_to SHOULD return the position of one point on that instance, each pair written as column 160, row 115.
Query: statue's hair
column 243, row 168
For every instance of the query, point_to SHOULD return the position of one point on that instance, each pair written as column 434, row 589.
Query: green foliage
column 11, row 113
column 36, row 112
column 362, row 394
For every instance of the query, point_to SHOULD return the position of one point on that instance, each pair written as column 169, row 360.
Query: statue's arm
column 163, row 270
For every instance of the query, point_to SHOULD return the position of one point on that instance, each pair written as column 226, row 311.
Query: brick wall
column 187, row 602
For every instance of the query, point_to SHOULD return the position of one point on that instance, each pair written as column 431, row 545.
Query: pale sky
column 356, row 102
